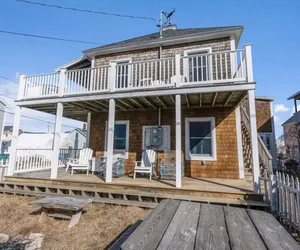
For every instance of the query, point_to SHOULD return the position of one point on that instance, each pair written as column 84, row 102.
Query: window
column 121, row 137
column 198, row 66
column 123, row 73
column 200, row 138
column 266, row 138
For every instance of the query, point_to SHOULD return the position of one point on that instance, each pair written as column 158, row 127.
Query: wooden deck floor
column 175, row 224
column 237, row 186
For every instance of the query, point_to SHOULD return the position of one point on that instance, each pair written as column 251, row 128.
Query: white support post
column 178, row 141
column 249, row 66
column 273, row 138
column 14, row 141
column 88, row 129
column 233, row 56
column 177, row 70
column 254, row 141
column 239, row 141
column 62, row 80
column 56, row 141
column 110, row 140
column 22, row 82
column 112, row 76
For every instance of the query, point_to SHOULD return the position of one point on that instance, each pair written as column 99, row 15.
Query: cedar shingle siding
column 226, row 165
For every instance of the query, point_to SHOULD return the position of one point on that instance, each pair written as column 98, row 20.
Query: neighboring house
column 291, row 130
column 6, row 138
column 180, row 91
column 3, row 107
column 74, row 139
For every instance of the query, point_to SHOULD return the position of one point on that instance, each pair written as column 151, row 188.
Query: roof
column 168, row 36
column 288, row 121
column 295, row 96
column 265, row 98
column 82, row 131
column 78, row 61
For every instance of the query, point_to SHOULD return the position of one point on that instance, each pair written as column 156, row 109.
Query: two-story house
column 188, row 82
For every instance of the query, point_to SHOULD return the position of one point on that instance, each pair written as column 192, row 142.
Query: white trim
column 151, row 92
column 168, row 146
column 178, row 123
column 194, row 51
column 273, row 138
column 188, row 156
column 117, row 153
column 232, row 56
column 254, row 141
column 239, row 142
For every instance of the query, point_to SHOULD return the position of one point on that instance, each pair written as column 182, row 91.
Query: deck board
column 190, row 225
column 211, row 233
column 272, row 233
column 182, row 237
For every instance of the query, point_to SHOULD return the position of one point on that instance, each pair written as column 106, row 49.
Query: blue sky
column 272, row 26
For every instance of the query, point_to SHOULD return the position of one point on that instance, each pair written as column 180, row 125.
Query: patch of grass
column 97, row 228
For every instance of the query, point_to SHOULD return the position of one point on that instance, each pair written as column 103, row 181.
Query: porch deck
column 233, row 186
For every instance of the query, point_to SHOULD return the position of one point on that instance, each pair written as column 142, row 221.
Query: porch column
column 14, row 141
column 88, row 129
column 239, row 141
column 56, row 140
column 178, row 141
column 110, row 140
column 254, row 141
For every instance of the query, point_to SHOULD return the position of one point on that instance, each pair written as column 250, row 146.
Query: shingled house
column 189, row 82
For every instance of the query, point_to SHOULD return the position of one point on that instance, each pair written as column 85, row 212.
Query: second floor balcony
column 217, row 68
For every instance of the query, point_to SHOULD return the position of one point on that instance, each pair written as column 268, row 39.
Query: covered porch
column 161, row 104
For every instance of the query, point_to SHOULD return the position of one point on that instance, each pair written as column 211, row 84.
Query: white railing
column 197, row 69
column 41, row 85
column 146, row 74
column 288, row 200
column 86, row 80
column 32, row 159
column 217, row 67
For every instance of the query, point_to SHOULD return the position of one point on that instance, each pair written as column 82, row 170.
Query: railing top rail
column 146, row 61
column 34, row 149
column 214, row 53
column 45, row 74
column 261, row 143
column 99, row 67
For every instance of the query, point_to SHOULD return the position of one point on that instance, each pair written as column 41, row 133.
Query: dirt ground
column 97, row 228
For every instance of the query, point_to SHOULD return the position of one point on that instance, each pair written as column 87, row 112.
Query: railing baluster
column 226, row 66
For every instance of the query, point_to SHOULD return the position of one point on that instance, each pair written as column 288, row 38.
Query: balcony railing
column 179, row 71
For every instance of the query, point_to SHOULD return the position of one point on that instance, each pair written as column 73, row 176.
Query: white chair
column 83, row 163
column 146, row 164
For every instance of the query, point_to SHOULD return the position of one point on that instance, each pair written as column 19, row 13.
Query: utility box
column 154, row 137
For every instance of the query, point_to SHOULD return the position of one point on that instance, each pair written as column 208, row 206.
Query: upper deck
column 179, row 74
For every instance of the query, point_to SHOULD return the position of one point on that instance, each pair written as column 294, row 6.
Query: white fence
column 32, row 159
column 288, row 191
column 200, row 68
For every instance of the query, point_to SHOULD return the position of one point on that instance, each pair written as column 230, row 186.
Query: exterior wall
column 263, row 116
column 291, row 140
column 226, row 165
column 221, row 44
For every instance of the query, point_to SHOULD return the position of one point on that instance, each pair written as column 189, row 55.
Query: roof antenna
column 168, row 21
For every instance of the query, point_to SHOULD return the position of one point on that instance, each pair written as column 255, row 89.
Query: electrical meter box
column 153, row 137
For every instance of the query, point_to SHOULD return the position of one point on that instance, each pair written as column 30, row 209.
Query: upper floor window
column 200, row 138
column 197, row 67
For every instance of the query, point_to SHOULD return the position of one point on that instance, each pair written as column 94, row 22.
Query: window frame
column 118, row 152
column 200, row 157
column 186, row 63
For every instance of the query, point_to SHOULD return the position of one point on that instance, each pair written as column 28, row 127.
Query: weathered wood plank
column 241, row 231
column 149, row 233
column 181, row 232
column 272, row 233
column 212, row 233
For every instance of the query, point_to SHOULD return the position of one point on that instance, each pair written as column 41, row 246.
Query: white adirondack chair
column 83, row 163
column 146, row 164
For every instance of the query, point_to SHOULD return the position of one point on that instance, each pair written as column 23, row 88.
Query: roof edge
column 236, row 31
column 265, row 98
